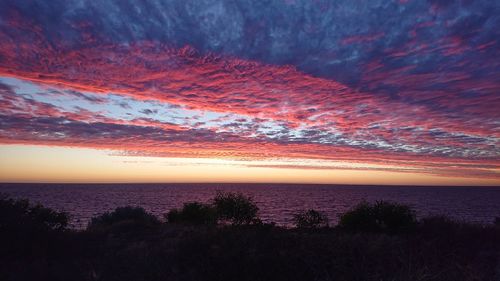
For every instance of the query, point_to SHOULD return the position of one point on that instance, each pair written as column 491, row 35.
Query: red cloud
column 150, row 71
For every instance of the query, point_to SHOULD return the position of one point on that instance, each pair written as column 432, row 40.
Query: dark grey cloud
column 310, row 35
column 40, row 129
column 149, row 111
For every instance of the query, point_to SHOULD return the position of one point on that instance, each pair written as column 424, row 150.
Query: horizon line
column 250, row 183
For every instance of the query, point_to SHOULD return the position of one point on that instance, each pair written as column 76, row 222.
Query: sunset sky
column 348, row 91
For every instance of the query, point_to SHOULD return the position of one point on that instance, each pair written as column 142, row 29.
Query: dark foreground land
column 225, row 240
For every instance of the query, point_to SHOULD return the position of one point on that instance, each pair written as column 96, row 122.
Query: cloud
column 149, row 111
column 379, row 81
column 462, row 172
column 355, row 39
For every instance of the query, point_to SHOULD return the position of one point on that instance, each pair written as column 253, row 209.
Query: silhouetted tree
column 20, row 214
column 381, row 216
column 310, row 219
column 135, row 215
column 235, row 208
column 193, row 213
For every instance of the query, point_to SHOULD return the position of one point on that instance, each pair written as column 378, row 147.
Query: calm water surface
column 277, row 203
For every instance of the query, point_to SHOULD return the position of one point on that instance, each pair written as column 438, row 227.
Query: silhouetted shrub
column 437, row 222
column 20, row 214
column 496, row 222
column 310, row 219
column 235, row 208
column 135, row 215
column 193, row 213
column 381, row 216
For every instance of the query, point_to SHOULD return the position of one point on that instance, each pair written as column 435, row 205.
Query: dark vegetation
column 134, row 216
column 225, row 208
column 225, row 240
column 310, row 219
column 193, row 213
column 380, row 217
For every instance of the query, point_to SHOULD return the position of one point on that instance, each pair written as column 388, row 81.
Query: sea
column 277, row 202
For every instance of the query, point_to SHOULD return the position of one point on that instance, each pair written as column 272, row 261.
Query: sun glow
column 28, row 163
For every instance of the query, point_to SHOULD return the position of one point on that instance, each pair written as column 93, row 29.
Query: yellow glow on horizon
column 31, row 163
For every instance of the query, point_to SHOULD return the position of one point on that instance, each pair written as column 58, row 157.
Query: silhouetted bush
column 497, row 221
column 20, row 214
column 131, row 215
column 235, row 208
column 193, row 213
column 310, row 219
column 381, row 216
column 437, row 222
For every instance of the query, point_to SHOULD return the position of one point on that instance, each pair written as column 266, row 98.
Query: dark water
column 277, row 203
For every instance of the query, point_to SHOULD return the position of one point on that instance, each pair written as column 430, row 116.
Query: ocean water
column 277, row 202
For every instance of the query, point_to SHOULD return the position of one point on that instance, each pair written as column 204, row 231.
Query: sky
column 347, row 92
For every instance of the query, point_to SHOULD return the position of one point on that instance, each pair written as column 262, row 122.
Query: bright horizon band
column 75, row 165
